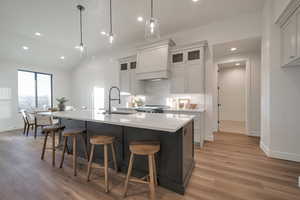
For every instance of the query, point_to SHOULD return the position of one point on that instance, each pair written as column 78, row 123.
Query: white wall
column 232, row 82
column 280, row 94
column 9, row 116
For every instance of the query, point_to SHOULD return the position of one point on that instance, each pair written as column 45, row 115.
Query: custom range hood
column 153, row 60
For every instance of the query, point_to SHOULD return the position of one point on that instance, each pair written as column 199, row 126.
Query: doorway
column 232, row 97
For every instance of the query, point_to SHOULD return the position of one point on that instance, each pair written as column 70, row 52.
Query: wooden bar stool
column 53, row 129
column 74, row 134
column 144, row 148
column 105, row 141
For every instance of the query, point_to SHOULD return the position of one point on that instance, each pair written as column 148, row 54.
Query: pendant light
column 110, row 35
column 81, row 9
column 152, row 27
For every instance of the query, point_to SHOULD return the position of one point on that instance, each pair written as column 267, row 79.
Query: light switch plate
column 298, row 181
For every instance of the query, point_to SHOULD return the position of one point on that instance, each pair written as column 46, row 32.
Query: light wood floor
column 233, row 126
column 233, row 167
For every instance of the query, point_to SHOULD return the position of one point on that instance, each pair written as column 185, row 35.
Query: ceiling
column 58, row 22
column 232, row 64
column 242, row 46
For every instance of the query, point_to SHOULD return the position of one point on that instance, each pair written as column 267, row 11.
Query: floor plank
column 232, row 167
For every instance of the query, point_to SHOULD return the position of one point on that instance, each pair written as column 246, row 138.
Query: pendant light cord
column 151, row 8
column 110, row 14
column 80, row 9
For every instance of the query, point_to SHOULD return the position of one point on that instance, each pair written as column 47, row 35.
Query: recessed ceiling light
column 25, row 47
column 37, row 34
column 62, row 57
column 237, row 64
column 140, row 19
column 195, row 0
column 103, row 33
column 233, row 49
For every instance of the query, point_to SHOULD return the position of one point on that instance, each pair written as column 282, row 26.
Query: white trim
column 285, row 156
column 254, row 133
column 264, row 148
column 279, row 154
column 288, row 12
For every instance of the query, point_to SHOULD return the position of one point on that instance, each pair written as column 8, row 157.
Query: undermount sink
column 121, row 112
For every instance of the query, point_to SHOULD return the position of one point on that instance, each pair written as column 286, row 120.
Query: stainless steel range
column 151, row 108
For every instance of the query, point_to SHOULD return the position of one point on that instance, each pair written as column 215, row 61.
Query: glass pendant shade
column 111, row 38
column 152, row 29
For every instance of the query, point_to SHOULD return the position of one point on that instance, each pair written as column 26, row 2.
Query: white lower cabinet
column 199, row 133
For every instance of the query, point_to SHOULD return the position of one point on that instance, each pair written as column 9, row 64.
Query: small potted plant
column 61, row 103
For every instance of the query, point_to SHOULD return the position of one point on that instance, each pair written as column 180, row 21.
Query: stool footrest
column 138, row 180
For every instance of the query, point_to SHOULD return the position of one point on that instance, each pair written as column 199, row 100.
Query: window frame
column 36, row 84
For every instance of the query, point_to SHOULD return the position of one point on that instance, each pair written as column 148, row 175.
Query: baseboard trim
column 279, row 154
column 264, row 148
column 254, row 133
column 285, row 156
column 10, row 129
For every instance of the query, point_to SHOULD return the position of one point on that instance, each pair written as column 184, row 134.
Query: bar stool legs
column 44, row 146
column 90, row 162
column 128, row 174
column 105, row 141
column 149, row 149
column 151, row 174
column 53, row 147
column 74, row 134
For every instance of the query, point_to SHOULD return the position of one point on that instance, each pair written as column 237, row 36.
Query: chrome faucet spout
column 111, row 99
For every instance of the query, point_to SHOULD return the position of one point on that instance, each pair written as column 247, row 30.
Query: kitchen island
column 175, row 161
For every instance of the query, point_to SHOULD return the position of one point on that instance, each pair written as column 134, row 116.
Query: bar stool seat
column 52, row 129
column 74, row 134
column 102, row 139
column 105, row 141
column 144, row 148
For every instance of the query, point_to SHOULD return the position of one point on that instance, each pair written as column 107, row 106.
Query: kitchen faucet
column 111, row 99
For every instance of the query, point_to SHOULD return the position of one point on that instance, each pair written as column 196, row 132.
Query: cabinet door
column 193, row 56
column 194, row 79
column 137, row 86
column 125, row 78
column 289, row 34
column 178, row 80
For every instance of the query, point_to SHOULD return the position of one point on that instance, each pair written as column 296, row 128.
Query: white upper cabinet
column 289, row 22
column 128, row 80
column 289, row 41
column 177, row 80
column 187, row 68
column 153, row 60
column 124, row 78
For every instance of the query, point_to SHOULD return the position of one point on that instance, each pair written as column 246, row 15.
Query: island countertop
column 153, row 121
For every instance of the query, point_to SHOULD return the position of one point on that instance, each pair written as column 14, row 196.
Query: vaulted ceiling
column 58, row 22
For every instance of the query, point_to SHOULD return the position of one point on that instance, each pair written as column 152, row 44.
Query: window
column 34, row 90
column 98, row 98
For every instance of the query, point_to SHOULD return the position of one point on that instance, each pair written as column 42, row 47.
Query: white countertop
column 197, row 110
column 154, row 121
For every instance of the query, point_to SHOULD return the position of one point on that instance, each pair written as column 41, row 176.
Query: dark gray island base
column 175, row 161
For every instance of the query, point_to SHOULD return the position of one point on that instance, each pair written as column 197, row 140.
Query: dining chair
column 28, row 122
column 43, row 120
